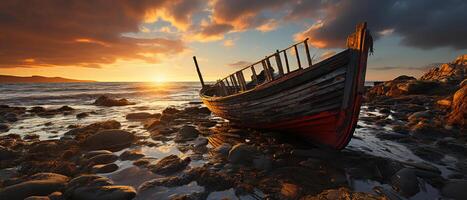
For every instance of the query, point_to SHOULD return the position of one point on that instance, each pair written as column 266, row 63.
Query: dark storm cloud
column 84, row 33
column 423, row 24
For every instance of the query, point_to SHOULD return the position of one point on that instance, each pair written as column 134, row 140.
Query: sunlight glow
column 159, row 79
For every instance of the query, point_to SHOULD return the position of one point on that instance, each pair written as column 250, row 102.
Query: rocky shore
column 184, row 152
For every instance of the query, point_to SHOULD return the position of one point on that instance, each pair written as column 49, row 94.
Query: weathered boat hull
column 320, row 103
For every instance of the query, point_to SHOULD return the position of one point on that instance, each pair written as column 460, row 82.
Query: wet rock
column 169, row 165
column 31, row 137
column 65, row 109
column 38, row 198
column 103, row 159
column 107, row 101
column 4, row 127
column 223, row 149
column 142, row 116
column 262, row 162
column 82, row 115
column 405, row 182
column 91, row 154
column 105, row 168
column 455, row 189
column 199, row 142
column 289, row 190
column 422, row 115
column 197, row 110
column 241, row 154
column 401, row 129
column 83, row 132
column 7, row 153
column 131, row 155
column 111, row 192
column 459, row 108
column 341, row 194
column 186, row 133
column 10, row 117
column 56, row 196
column 111, row 139
column 170, row 111
column 38, row 185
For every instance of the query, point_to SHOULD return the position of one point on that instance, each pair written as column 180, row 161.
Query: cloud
column 210, row 32
column 268, row 26
column 229, row 43
column 77, row 33
column 424, row 24
column 239, row 64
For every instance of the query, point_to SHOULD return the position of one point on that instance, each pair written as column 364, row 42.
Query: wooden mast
column 199, row 72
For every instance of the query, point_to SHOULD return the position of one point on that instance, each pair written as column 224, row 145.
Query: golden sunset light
column 233, row 99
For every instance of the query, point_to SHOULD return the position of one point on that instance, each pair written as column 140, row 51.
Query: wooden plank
column 241, row 80
column 223, row 88
column 308, row 53
column 271, row 72
column 279, row 63
column 298, row 57
column 286, row 61
column 229, row 88
column 266, row 71
column 234, row 83
column 255, row 77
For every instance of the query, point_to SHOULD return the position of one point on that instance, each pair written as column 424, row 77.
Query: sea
column 154, row 97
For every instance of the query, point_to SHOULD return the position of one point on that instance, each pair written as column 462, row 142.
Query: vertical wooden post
column 224, row 89
column 298, row 57
column 279, row 63
column 308, row 53
column 199, row 72
column 286, row 61
column 255, row 77
column 228, row 85
column 265, row 69
column 234, row 82
column 241, row 80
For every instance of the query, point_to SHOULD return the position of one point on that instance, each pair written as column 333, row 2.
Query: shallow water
column 153, row 98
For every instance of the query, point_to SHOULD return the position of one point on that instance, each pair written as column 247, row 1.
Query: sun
column 159, row 79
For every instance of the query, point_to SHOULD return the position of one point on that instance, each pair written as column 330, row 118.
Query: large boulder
column 40, row 184
column 81, row 133
column 449, row 72
column 241, row 154
column 458, row 113
column 107, row 101
column 112, row 139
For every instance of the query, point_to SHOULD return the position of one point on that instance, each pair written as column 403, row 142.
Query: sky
column 154, row 40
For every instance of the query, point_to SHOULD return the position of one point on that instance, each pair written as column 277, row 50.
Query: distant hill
column 37, row 79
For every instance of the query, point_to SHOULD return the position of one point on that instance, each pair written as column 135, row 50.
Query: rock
column 31, row 137
column 186, row 133
column 419, row 87
column 405, row 182
column 141, row 116
column 10, row 117
column 197, row 110
column 170, row 111
column 262, row 162
column 444, row 103
column 4, row 127
column 111, row 192
column 131, row 155
column 169, row 165
column 223, row 149
column 103, row 159
column 455, row 189
column 82, row 115
column 401, row 129
column 151, row 124
column 56, row 196
column 241, row 154
column 65, row 108
column 38, row 198
column 7, row 153
column 452, row 72
column 105, row 168
column 459, row 109
column 81, row 133
column 418, row 116
column 111, row 139
column 343, row 193
column 404, row 78
column 107, row 101
column 199, row 142
column 290, row 191
column 40, row 184
column 91, row 154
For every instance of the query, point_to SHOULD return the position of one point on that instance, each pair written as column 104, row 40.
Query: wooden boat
column 319, row 101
